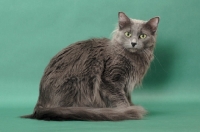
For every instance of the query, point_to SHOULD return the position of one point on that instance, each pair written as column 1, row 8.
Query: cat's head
column 135, row 35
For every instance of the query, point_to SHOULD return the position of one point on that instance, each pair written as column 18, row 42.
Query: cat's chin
column 133, row 50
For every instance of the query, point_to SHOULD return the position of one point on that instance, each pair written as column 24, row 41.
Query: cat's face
column 135, row 35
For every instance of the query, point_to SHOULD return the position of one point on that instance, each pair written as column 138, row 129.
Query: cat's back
column 76, row 58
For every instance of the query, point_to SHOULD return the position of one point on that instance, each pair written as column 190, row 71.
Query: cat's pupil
column 142, row 36
column 128, row 34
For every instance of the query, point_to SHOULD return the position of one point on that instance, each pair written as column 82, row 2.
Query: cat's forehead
column 137, row 22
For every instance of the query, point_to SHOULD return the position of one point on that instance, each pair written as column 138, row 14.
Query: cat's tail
column 87, row 113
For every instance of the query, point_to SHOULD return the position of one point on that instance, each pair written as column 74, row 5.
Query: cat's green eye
column 128, row 34
column 142, row 36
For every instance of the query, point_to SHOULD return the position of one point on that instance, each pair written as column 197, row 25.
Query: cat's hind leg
column 119, row 101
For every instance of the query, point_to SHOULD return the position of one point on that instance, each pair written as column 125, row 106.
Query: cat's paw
column 136, row 112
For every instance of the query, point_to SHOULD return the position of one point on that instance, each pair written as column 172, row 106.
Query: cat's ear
column 123, row 20
column 152, row 24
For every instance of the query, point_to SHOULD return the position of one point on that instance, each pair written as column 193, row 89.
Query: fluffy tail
column 87, row 113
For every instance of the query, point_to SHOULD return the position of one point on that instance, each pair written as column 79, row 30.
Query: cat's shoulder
column 93, row 41
column 88, row 43
column 85, row 45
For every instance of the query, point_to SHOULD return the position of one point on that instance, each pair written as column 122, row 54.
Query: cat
column 93, row 79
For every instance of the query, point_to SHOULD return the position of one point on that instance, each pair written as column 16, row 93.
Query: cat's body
column 93, row 79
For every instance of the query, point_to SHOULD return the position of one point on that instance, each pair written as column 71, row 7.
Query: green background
column 33, row 31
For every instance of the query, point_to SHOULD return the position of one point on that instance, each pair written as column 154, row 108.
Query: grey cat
column 93, row 79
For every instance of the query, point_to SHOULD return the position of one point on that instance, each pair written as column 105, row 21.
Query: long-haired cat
column 93, row 79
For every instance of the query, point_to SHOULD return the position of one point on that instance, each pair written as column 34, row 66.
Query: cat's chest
column 125, row 72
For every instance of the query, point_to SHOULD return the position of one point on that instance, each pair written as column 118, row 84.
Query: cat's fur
column 93, row 79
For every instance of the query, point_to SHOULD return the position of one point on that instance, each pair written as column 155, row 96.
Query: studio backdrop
column 33, row 31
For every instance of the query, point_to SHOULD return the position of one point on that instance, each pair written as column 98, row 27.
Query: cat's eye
column 127, row 34
column 142, row 36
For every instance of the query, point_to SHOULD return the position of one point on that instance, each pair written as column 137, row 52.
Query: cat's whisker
column 146, row 54
column 160, row 63
column 150, row 68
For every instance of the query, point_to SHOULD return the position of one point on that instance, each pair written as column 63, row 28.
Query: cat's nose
column 133, row 44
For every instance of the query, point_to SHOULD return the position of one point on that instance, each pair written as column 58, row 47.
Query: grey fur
column 93, row 79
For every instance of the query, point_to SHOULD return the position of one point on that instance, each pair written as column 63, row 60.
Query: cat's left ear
column 152, row 24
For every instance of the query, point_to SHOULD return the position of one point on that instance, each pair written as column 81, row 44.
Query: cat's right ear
column 152, row 24
column 123, row 20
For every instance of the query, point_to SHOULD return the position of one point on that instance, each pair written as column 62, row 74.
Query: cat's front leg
column 119, row 101
column 129, row 100
column 113, row 98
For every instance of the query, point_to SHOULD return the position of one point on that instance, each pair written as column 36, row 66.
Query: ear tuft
column 153, row 24
column 123, row 20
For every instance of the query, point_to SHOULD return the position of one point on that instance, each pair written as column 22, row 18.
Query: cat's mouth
column 133, row 50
